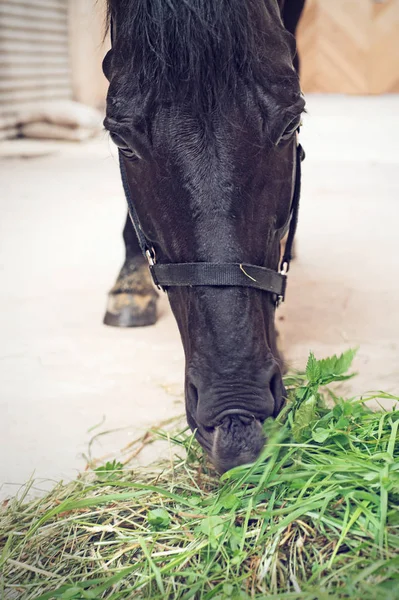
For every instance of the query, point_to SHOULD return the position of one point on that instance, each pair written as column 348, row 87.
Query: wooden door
column 350, row 46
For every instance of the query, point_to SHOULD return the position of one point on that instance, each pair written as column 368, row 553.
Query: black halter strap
column 220, row 274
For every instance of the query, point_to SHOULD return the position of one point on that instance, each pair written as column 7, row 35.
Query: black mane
column 200, row 51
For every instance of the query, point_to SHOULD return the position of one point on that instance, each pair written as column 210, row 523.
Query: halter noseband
column 220, row 274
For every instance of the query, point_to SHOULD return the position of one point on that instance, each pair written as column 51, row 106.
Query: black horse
column 204, row 103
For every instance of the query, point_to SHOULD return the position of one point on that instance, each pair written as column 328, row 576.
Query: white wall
column 87, row 50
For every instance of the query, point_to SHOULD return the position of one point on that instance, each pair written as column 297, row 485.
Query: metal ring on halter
column 284, row 268
column 151, row 257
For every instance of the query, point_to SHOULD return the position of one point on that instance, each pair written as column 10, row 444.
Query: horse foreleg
column 132, row 302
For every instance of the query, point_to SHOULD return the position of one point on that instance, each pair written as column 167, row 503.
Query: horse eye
column 123, row 146
column 290, row 131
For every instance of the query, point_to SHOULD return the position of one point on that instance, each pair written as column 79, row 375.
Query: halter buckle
column 150, row 255
column 283, row 272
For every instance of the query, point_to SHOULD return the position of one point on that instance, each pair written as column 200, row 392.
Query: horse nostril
column 193, row 394
column 278, row 391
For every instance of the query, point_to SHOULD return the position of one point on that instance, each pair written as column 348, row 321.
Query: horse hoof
column 131, row 310
column 132, row 302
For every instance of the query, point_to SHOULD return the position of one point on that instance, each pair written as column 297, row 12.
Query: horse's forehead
column 216, row 136
column 247, row 122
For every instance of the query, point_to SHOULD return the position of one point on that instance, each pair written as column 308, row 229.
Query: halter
column 193, row 274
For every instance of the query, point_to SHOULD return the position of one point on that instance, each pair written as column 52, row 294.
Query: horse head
column 204, row 104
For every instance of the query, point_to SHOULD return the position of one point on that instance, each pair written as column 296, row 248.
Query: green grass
column 316, row 517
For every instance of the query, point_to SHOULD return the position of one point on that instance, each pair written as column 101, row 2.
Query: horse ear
column 107, row 63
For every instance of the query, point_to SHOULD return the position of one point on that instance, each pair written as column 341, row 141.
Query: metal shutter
column 34, row 56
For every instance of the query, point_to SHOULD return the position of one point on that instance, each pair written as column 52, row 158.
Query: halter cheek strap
column 220, row 274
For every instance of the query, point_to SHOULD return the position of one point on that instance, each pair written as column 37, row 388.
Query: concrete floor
column 62, row 372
